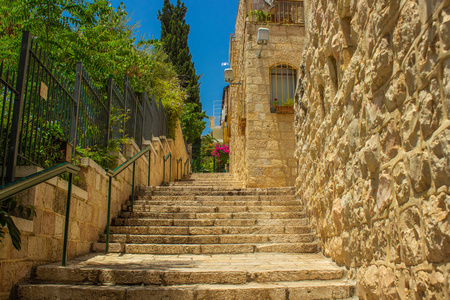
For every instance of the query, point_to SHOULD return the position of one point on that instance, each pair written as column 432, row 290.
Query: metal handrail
column 179, row 162
column 23, row 184
column 117, row 171
column 185, row 165
column 123, row 166
column 164, row 168
column 18, row 186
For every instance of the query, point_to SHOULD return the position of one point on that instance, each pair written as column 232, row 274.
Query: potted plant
column 286, row 107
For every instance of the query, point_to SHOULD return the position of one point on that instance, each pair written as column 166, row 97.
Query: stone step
column 208, row 209
column 211, row 191
column 209, row 239
column 187, row 230
column 209, row 222
column 215, row 276
column 206, row 181
column 221, row 198
column 317, row 289
column 229, row 184
column 164, row 249
column 167, row 270
column 214, row 215
column 156, row 202
column 209, row 176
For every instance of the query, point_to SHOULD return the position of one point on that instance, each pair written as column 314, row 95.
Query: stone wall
column 265, row 149
column 42, row 237
column 238, row 144
column 373, row 142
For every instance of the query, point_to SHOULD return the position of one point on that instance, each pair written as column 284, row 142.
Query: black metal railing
column 44, row 110
column 8, row 93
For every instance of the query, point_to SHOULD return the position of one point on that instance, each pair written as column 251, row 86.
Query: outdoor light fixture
column 262, row 38
column 229, row 76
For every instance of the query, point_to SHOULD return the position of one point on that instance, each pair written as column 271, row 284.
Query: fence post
column 125, row 102
column 109, row 100
column 67, row 220
column 76, row 105
column 18, row 107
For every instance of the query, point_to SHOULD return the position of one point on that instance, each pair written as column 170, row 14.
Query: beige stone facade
column 42, row 237
column 261, row 142
column 373, row 146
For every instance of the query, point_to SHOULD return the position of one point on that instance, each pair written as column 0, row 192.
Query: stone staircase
column 202, row 238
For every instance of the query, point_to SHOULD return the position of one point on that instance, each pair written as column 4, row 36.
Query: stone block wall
column 42, row 237
column 238, row 143
column 263, row 155
column 373, row 142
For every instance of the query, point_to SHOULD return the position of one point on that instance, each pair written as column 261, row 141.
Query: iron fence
column 8, row 92
column 44, row 110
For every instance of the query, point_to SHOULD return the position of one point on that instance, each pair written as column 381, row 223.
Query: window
column 282, row 85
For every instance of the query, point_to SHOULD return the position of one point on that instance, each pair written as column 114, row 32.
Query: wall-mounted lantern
column 229, row 76
column 262, row 38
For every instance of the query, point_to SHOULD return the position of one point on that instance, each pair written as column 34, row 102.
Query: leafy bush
column 222, row 154
column 12, row 207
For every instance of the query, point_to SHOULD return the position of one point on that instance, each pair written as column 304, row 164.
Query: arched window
column 282, row 85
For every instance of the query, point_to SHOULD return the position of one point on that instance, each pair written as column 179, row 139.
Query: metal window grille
column 282, row 85
column 276, row 11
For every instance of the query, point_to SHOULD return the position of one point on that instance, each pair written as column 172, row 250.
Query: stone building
column 373, row 142
column 261, row 140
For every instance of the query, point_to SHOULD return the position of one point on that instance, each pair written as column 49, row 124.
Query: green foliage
column 13, row 207
column 97, row 34
column 174, row 38
column 260, row 15
column 289, row 101
column 192, row 121
column 208, row 144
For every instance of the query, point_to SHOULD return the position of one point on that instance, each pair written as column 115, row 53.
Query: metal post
column 149, row 157
column 18, row 107
column 170, row 167
column 76, row 105
column 66, row 223
column 177, row 169
column 108, row 215
column 109, row 100
column 132, row 186
column 214, row 164
column 164, row 171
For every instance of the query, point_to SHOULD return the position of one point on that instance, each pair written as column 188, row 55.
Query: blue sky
column 212, row 22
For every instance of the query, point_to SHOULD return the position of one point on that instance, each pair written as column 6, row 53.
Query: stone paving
column 210, row 260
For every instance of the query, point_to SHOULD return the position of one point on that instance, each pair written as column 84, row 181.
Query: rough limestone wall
column 373, row 142
column 238, row 145
column 270, row 136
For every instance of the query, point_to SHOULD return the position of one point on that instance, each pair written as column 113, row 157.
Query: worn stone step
column 209, row 209
column 156, row 202
column 222, row 198
column 209, row 176
column 210, row 222
column 214, row 215
column 184, row 230
column 162, row 249
column 202, row 182
column 209, row 239
column 212, row 190
column 189, row 269
column 318, row 289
